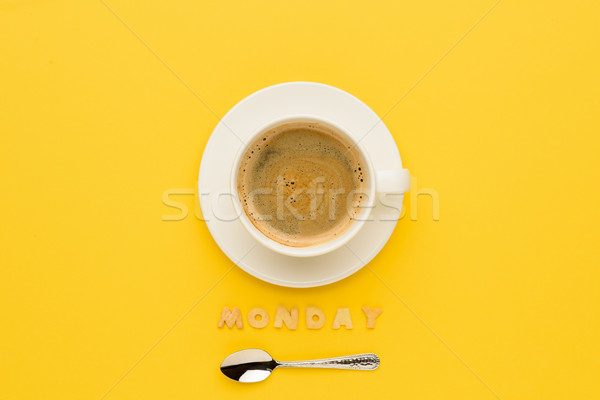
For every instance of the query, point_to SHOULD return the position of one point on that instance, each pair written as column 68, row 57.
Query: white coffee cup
column 381, row 181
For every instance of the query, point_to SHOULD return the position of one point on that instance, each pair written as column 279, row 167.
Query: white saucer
column 213, row 183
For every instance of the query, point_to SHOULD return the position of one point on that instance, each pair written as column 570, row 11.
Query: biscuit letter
column 342, row 317
column 231, row 318
column 311, row 314
column 290, row 318
column 256, row 322
column 371, row 315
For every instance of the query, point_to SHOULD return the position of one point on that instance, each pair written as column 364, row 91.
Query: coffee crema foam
column 300, row 184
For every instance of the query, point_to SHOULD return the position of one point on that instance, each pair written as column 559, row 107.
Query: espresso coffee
column 301, row 184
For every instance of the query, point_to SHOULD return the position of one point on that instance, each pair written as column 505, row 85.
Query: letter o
column 258, row 323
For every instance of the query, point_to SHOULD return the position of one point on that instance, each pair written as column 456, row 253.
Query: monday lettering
column 314, row 318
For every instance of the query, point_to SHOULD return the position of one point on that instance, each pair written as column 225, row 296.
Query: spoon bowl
column 250, row 365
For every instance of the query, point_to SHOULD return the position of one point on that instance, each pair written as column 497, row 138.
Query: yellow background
column 100, row 298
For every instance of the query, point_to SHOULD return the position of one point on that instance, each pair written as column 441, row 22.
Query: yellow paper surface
column 106, row 106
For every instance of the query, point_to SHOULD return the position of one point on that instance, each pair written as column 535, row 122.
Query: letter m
column 231, row 318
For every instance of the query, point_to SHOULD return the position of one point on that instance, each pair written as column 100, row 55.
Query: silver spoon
column 255, row 365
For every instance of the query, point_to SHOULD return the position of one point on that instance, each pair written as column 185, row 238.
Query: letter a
column 342, row 317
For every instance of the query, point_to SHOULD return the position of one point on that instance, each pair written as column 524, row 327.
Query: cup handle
column 392, row 181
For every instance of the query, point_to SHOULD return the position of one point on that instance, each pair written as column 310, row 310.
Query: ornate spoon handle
column 363, row 362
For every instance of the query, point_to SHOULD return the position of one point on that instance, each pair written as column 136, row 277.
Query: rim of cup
column 319, row 248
